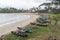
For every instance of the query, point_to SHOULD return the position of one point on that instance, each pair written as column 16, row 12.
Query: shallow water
column 8, row 18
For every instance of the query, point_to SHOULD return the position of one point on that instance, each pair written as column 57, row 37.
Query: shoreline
column 8, row 28
column 11, row 18
column 14, row 21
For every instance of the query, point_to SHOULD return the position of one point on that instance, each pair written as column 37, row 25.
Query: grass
column 36, row 32
column 40, row 33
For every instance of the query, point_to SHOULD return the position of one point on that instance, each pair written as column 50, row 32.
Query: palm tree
column 47, row 6
column 57, row 5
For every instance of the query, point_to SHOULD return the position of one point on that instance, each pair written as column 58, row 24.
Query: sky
column 21, row 3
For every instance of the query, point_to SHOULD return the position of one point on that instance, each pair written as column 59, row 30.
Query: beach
column 6, row 29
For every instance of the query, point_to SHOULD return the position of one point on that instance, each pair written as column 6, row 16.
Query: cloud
column 20, row 3
column 40, row 1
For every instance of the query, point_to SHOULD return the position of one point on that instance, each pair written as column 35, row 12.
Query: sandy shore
column 6, row 29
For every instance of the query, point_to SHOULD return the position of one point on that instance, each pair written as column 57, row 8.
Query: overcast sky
column 21, row 3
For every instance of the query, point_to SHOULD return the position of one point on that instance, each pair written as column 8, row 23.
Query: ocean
column 10, row 18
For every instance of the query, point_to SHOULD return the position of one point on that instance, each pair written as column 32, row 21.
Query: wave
column 11, row 18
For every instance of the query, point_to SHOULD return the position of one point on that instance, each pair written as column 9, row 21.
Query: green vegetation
column 12, row 10
column 40, row 33
column 36, row 33
column 47, row 9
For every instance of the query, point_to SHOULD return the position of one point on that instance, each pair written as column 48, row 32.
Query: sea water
column 10, row 18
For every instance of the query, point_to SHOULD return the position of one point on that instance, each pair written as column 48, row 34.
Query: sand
column 6, row 29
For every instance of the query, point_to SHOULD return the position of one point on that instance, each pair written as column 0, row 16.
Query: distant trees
column 51, row 7
column 12, row 10
column 46, row 9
